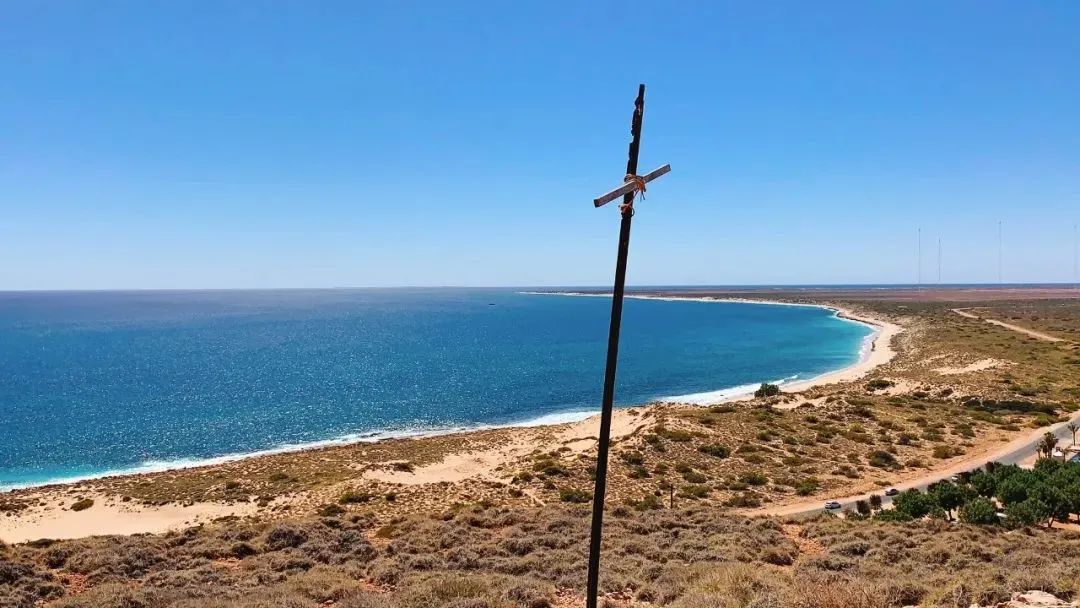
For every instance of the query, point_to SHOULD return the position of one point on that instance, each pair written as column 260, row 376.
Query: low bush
column 807, row 486
column 715, row 450
column 754, row 478
column 882, row 460
column 574, row 495
column 82, row 505
column 350, row 497
column 767, row 390
column 878, row 384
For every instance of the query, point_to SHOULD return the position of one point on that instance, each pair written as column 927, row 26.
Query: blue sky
column 319, row 144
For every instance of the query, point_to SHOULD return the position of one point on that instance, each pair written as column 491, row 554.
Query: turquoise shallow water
column 132, row 381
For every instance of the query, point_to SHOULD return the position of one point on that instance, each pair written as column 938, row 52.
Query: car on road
column 832, row 505
column 892, row 492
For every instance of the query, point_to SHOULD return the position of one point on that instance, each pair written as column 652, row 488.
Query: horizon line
column 927, row 287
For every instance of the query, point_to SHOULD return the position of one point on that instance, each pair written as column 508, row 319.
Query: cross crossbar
column 628, row 187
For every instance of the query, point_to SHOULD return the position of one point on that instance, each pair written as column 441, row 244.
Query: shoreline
column 869, row 358
column 876, row 350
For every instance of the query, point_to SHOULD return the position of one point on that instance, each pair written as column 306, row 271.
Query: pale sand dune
column 56, row 520
column 978, row 366
column 578, row 436
column 452, row 468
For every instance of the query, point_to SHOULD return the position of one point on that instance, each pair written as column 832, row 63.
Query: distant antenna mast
column 999, row 251
column 939, row 260
column 1076, row 263
column 918, row 257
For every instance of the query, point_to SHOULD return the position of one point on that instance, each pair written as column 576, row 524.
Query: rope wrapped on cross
column 638, row 183
column 632, row 185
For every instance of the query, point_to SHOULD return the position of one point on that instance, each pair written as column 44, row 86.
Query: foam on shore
column 160, row 466
column 725, row 394
column 550, row 419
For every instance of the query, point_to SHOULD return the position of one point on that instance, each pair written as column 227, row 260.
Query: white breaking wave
column 724, row 394
column 704, row 398
column 159, row 466
column 560, row 418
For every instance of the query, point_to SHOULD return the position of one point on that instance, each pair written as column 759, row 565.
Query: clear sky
column 319, row 144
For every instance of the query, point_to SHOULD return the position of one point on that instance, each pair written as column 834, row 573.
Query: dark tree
column 875, row 501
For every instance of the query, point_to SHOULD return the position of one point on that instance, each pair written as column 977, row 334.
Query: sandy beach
column 51, row 516
column 437, row 469
column 879, row 350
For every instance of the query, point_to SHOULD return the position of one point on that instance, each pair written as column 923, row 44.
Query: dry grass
column 485, row 543
column 496, row 557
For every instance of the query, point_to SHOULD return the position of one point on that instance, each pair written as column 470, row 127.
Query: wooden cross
column 633, row 183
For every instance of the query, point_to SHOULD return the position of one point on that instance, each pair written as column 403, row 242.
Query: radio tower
column 999, row 252
column 939, row 260
column 918, row 257
column 1076, row 263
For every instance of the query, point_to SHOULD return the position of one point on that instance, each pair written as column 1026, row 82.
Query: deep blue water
column 107, row 381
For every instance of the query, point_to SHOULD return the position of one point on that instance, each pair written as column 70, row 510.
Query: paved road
column 1014, row 452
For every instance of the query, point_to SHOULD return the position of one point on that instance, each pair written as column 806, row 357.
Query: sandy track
column 1029, row 332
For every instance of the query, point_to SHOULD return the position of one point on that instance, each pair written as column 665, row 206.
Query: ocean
column 95, row 383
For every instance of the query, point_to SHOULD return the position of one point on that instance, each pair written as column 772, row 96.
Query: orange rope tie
column 639, row 186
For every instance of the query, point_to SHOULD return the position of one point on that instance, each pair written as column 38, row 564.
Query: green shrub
column 676, row 435
column 82, row 504
column 745, row 500
column 944, row 451
column 694, row 491
column 550, row 468
column 574, row 495
column 754, row 478
column 351, row 497
column 913, row 504
column 331, row 510
column 694, row 476
column 715, row 450
column 979, row 511
column 807, row 486
column 878, row 384
column 882, row 460
column 655, row 442
column 767, row 390
column 649, row 502
column 1026, row 513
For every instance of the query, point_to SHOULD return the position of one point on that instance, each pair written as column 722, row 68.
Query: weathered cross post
column 633, row 183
